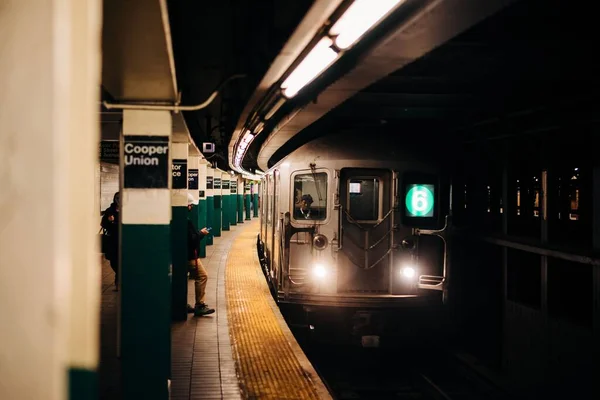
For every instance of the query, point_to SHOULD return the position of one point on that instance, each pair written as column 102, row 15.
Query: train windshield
column 310, row 196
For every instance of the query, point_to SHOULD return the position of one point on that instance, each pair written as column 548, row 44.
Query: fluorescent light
column 247, row 137
column 259, row 128
column 276, row 107
column 319, row 58
column 361, row 16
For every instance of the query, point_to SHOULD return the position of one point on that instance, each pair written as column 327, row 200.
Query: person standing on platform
column 110, row 226
column 197, row 270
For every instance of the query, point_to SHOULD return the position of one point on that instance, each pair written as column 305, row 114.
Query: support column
column 145, row 254
column 179, row 230
column 210, row 203
column 233, row 200
column 225, row 200
column 255, row 198
column 218, row 205
column 48, row 151
column 202, row 217
column 240, row 199
column 193, row 188
column 247, row 198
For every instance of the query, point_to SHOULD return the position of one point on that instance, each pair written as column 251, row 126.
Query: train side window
column 363, row 199
column 310, row 196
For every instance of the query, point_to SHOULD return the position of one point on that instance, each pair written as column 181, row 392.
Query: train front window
column 310, row 196
column 363, row 199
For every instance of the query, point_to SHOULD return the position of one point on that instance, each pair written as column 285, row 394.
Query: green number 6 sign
column 420, row 200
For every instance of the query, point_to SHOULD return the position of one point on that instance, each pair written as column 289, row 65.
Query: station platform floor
column 242, row 351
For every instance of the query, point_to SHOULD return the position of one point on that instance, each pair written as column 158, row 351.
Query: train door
column 276, row 239
column 269, row 218
column 366, row 202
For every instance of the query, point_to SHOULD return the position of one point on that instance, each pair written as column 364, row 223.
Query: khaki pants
column 200, row 276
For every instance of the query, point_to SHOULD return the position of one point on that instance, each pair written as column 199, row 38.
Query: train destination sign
column 226, row 184
column 180, row 175
column 209, row 182
column 420, row 200
column 193, row 178
column 146, row 162
column 217, row 183
column 233, row 187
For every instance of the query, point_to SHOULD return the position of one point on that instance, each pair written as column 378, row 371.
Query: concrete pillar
column 193, row 186
column 255, row 198
column 225, row 199
column 179, row 228
column 202, row 216
column 233, row 200
column 240, row 199
column 145, row 253
column 218, row 204
column 247, row 198
column 49, row 264
column 210, row 203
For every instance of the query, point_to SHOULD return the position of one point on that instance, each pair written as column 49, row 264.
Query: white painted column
column 49, row 290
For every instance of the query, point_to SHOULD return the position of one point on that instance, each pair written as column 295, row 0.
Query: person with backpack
column 110, row 235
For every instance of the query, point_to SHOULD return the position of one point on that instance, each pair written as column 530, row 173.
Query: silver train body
column 364, row 242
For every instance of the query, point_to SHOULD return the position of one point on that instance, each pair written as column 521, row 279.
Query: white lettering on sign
column 143, row 154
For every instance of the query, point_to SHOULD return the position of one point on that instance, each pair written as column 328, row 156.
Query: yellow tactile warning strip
column 269, row 362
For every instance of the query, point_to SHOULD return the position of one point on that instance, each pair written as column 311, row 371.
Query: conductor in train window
column 304, row 211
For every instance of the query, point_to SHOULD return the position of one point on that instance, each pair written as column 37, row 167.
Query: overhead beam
column 137, row 62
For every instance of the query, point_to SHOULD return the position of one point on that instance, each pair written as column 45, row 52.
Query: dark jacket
column 111, row 229
column 193, row 237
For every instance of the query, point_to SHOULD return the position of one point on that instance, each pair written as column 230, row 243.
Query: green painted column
column 240, row 200
column 255, row 199
column 247, row 199
column 225, row 196
column 210, row 204
column 145, row 314
column 233, row 201
column 193, row 188
column 202, row 203
column 218, row 204
column 83, row 384
column 179, row 201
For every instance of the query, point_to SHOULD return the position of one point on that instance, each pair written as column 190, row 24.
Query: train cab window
column 310, row 196
column 363, row 199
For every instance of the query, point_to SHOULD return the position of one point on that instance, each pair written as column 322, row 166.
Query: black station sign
column 193, row 179
column 179, row 171
column 233, row 187
column 146, row 162
column 209, row 182
column 217, row 183
column 109, row 151
column 226, row 184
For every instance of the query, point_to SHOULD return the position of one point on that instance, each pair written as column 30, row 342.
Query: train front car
column 354, row 240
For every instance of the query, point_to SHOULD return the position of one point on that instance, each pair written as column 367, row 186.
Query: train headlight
column 408, row 272
column 320, row 242
column 319, row 271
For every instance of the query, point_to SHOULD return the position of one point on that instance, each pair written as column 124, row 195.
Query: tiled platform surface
column 202, row 360
column 269, row 361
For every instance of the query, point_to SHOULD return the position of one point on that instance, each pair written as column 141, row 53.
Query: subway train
column 355, row 223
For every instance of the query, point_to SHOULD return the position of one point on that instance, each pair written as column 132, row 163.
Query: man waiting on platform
column 197, row 270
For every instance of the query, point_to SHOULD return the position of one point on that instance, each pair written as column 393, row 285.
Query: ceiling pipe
column 175, row 108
